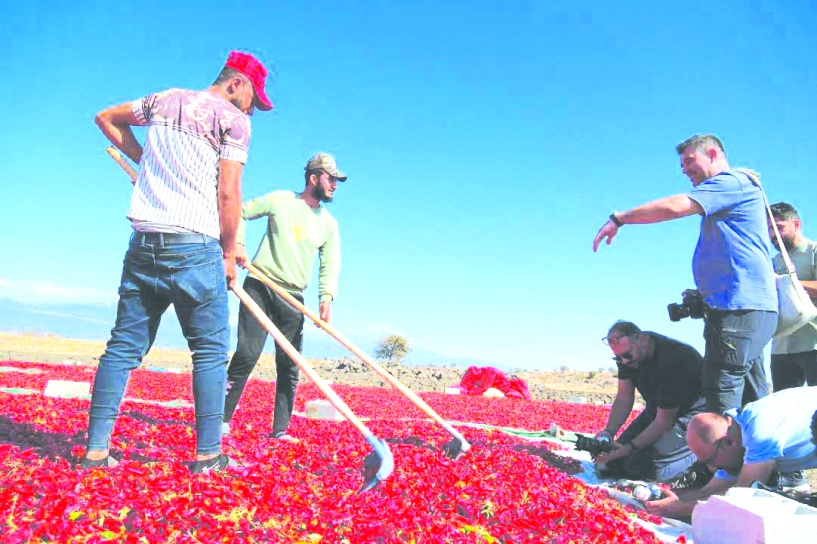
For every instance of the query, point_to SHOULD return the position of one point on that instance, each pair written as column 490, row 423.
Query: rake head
column 378, row 465
column 456, row 448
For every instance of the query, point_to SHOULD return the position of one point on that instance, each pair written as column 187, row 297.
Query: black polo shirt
column 671, row 378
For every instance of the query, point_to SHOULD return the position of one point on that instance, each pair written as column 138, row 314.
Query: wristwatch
column 616, row 220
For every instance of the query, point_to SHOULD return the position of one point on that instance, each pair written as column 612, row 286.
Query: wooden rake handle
column 120, row 160
column 411, row 395
column 290, row 350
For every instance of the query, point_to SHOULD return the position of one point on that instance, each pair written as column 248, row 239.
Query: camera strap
column 754, row 177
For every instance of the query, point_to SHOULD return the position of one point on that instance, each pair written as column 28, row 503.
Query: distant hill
column 94, row 322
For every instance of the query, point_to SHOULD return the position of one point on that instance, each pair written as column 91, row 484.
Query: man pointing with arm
column 731, row 265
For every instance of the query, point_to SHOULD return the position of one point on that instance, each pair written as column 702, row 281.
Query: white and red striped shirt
column 188, row 133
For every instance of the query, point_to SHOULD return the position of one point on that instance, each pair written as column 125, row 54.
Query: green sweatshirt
column 295, row 234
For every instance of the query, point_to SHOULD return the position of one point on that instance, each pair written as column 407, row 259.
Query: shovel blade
column 378, row 465
column 456, row 448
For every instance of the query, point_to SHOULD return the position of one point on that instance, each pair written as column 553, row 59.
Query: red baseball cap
column 255, row 71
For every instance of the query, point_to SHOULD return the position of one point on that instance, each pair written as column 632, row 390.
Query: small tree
column 392, row 348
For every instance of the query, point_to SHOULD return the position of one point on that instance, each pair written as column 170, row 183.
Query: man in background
column 298, row 229
column 794, row 357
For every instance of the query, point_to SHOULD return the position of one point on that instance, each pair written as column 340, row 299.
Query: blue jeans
column 156, row 274
column 733, row 360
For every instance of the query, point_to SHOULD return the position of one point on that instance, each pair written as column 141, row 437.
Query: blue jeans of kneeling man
column 156, row 274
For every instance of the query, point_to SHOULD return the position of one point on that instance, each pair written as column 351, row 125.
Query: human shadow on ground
column 50, row 445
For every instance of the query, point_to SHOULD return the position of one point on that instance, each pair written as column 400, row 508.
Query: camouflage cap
column 325, row 162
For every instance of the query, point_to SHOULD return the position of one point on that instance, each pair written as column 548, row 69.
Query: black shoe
column 107, row 462
column 216, row 464
column 695, row 477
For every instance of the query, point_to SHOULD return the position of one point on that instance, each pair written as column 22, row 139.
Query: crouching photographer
column 667, row 375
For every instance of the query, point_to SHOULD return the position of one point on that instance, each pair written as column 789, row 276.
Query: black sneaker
column 695, row 477
column 216, row 464
column 107, row 462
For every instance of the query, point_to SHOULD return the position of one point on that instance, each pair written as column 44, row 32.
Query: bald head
column 716, row 440
column 707, row 427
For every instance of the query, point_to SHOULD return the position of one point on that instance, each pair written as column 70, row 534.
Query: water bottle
column 644, row 493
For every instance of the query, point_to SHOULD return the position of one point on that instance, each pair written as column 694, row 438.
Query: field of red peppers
column 505, row 489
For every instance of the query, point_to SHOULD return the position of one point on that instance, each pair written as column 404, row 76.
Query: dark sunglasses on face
column 624, row 358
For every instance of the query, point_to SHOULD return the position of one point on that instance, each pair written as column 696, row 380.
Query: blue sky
column 485, row 143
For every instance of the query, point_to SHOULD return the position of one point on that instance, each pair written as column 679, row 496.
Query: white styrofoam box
column 578, row 400
column 323, row 409
column 452, row 391
column 753, row 515
column 66, row 389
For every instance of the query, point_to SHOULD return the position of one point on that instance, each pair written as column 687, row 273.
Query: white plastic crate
column 753, row 515
column 323, row 409
column 67, row 389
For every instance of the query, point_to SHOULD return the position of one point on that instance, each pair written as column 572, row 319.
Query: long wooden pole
column 385, row 374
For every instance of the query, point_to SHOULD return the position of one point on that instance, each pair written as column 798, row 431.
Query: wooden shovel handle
column 290, row 350
column 120, row 160
column 411, row 395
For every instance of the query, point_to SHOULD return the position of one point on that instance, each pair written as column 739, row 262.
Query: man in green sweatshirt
column 298, row 228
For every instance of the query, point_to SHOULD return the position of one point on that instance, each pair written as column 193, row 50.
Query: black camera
column 693, row 306
column 592, row 445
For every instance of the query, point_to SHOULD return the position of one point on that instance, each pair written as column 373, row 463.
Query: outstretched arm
column 115, row 123
column 664, row 209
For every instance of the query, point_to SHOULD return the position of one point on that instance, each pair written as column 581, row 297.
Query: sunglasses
column 623, row 358
column 612, row 340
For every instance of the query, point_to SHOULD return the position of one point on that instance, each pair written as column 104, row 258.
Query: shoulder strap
column 754, row 177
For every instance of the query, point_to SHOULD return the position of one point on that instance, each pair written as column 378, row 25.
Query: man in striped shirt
column 185, row 210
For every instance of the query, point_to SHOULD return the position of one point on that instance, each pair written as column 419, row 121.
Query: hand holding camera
column 594, row 446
